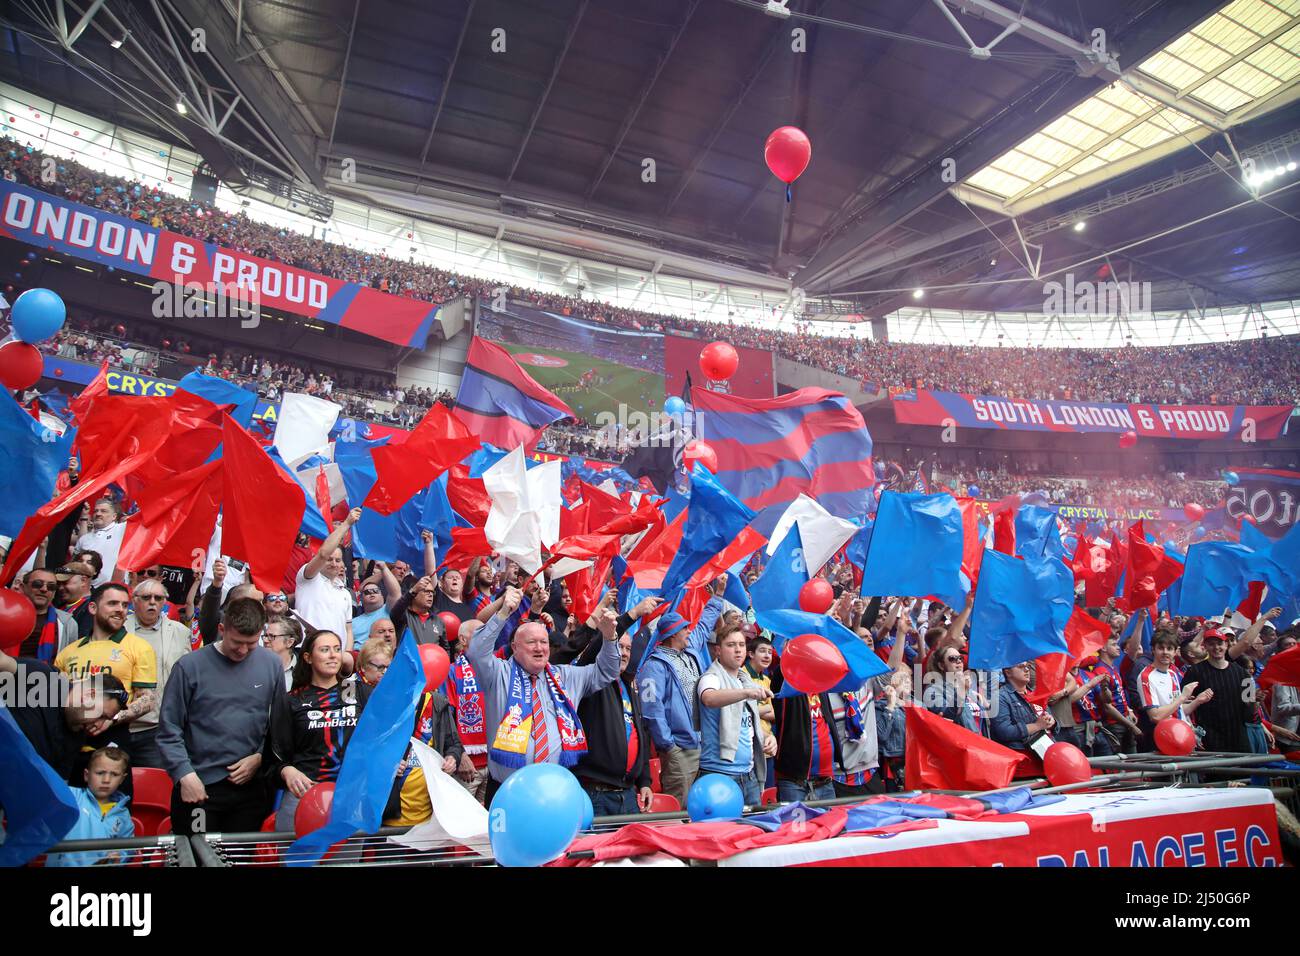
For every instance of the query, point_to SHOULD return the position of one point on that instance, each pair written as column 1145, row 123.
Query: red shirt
column 822, row 762
column 629, row 727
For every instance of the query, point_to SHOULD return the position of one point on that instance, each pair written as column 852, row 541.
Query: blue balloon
column 674, row 406
column 588, row 812
column 1171, row 545
column 1232, row 478
column 973, row 490
column 1200, row 531
column 535, row 815
column 37, row 315
column 714, row 797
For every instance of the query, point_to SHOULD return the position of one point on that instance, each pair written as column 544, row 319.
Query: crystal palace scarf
column 510, row 745
column 470, row 721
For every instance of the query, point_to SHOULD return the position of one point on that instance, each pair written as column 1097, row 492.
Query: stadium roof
column 955, row 145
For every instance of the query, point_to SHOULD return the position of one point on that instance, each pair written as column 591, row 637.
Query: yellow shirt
column 124, row 655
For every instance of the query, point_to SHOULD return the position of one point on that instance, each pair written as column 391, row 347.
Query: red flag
column 323, row 496
column 1149, row 571
column 467, row 496
column 1283, row 669
column 80, row 405
column 438, row 442
column 1085, row 636
column 262, row 507
column 175, row 520
column 121, row 454
column 1249, row 607
column 746, row 543
column 1004, row 532
column 942, row 755
column 972, row 546
column 601, row 505
column 650, row 559
column 466, row 545
column 573, row 520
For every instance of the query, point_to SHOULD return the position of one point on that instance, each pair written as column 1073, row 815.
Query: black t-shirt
column 311, row 726
column 1225, row 716
column 462, row 609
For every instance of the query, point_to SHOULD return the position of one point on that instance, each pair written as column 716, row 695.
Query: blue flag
column 1037, row 534
column 313, row 522
column 862, row 660
column 859, row 545
column 735, row 592
column 1277, row 564
column 34, row 455
column 39, row 807
column 787, row 571
column 1171, row 596
column 1021, row 609
column 379, row 537
column 1148, row 630
column 1217, row 575
column 916, row 549
column 713, row 521
column 220, row 392
column 375, row 749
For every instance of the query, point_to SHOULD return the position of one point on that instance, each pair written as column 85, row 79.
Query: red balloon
column 20, row 365
column 452, row 623
column 313, row 809
column 787, row 153
column 17, row 618
column 1194, row 512
column 1128, row 439
column 701, row 451
column 436, row 665
column 718, row 361
column 1175, row 737
column 1065, row 763
column 817, row 596
column 812, row 664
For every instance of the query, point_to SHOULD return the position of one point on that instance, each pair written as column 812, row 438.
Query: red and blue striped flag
column 501, row 403
column 770, row 450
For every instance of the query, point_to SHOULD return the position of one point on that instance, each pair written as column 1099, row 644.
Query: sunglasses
column 276, row 597
column 42, row 585
column 952, row 660
column 370, row 591
column 152, row 597
column 377, row 668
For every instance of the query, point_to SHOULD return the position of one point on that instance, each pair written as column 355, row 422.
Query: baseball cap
column 76, row 567
column 1213, row 634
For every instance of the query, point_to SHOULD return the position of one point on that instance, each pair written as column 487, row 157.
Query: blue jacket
column 890, row 729
column 664, row 705
column 1013, row 715
column 94, row 824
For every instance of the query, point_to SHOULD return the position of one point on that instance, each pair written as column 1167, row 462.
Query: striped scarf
column 510, row 745
column 852, row 716
column 47, row 646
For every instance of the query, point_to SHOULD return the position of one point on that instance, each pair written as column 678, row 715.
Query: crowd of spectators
column 1257, row 371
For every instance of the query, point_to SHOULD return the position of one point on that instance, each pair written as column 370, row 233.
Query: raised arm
column 331, row 544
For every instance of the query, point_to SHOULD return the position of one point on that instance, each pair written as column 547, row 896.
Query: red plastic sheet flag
column 81, row 404
column 1085, row 636
column 942, row 755
column 1283, row 669
column 175, row 520
column 438, row 442
column 262, row 507
column 466, row 545
column 1149, row 571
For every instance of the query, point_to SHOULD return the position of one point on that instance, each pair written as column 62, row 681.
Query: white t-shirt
column 1159, row 688
column 323, row 604
column 106, row 542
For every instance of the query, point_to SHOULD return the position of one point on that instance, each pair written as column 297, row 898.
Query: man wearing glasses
column 55, row 629
column 74, row 594
column 170, row 641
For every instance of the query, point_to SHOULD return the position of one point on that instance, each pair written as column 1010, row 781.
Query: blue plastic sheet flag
column 218, row 391
column 1216, row 575
column 34, row 456
column 786, row 572
column 39, row 806
column 916, row 548
column 1037, row 534
column 714, row 520
column 376, row 747
column 1021, row 609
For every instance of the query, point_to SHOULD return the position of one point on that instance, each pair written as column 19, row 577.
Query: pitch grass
column 615, row 384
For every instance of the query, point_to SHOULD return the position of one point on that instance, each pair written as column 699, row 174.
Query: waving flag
column 1037, row 534
column 39, row 807
column 500, row 402
column 942, row 755
column 770, row 450
column 375, row 749
column 411, row 462
column 1085, row 636
column 778, row 586
column 822, row 533
column 525, row 513
column 1217, row 575
column 1277, row 564
column 262, row 508
column 714, row 520
column 1021, row 610
column 219, row 392
column 917, row 547
column 175, row 520
column 1149, row 571
column 35, row 455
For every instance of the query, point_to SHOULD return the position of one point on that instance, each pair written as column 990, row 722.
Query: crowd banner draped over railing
column 1247, row 422
column 35, row 217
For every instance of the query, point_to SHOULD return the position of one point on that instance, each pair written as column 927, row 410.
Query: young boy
column 103, row 812
column 1161, row 692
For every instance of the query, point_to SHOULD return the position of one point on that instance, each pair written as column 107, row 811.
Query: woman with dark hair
column 311, row 724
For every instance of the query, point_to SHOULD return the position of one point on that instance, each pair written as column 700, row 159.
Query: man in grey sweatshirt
column 213, row 724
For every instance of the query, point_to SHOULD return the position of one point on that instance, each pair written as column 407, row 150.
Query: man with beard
column 54, row 629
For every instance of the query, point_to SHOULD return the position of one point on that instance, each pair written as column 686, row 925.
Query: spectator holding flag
column 321, row 597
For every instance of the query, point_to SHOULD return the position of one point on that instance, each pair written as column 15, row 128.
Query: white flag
column 304, row 426
column 821, row 532
column 457, row 817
